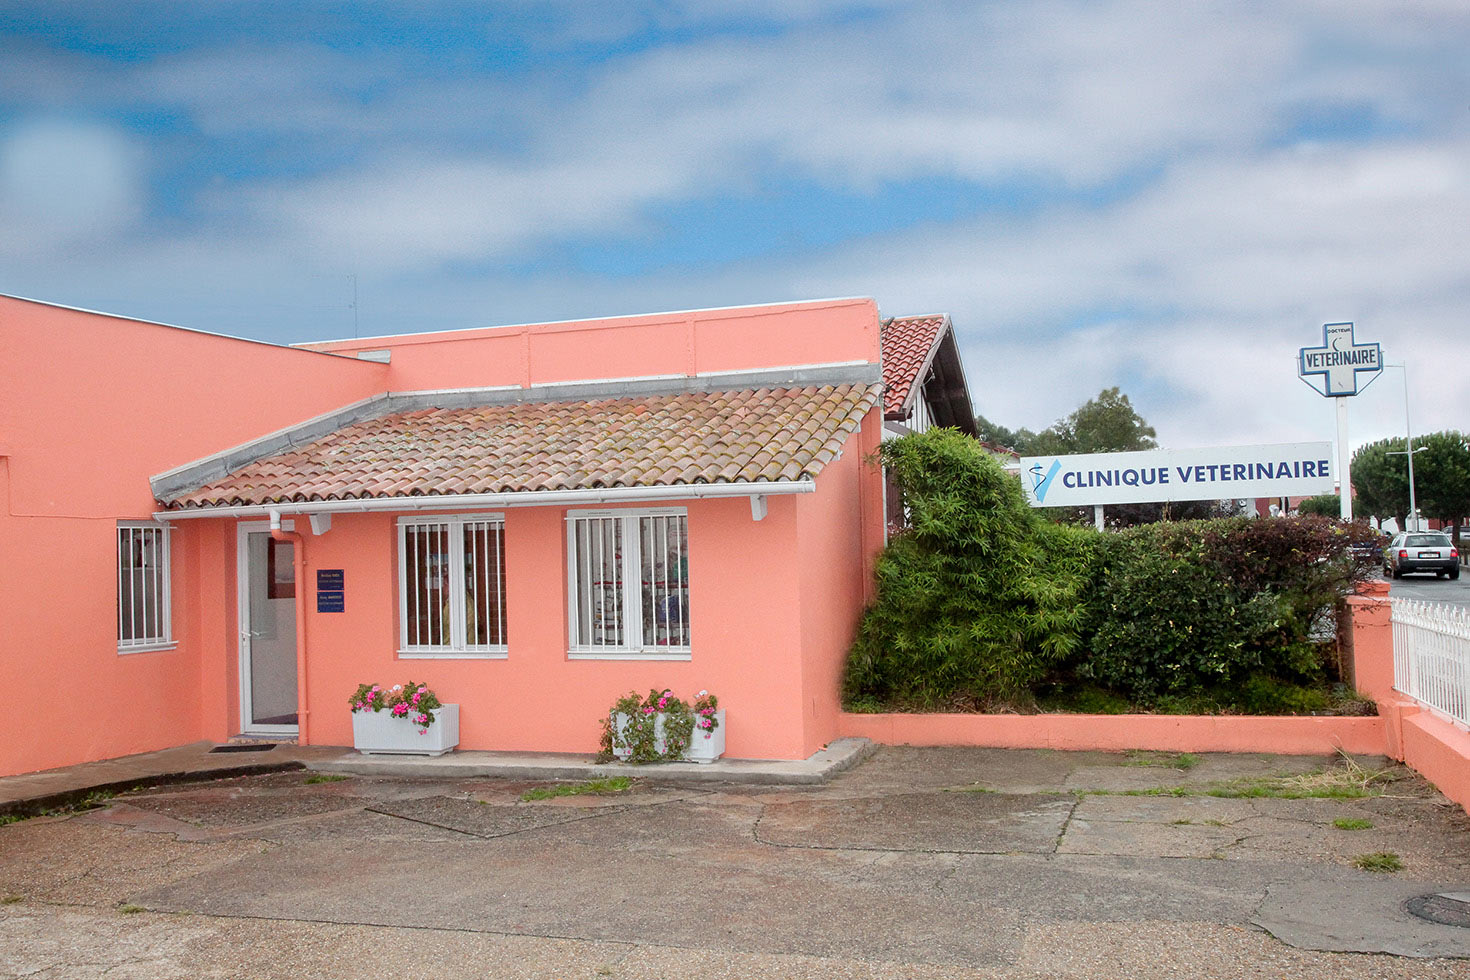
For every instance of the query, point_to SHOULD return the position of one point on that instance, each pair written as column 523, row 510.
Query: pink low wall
column 1113, row 733
column 1434, row 747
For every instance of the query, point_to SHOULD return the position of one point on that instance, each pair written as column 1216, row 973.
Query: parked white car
column 1418, row 551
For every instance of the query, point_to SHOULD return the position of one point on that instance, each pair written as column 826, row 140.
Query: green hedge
column 984, row 604
column 969, row 599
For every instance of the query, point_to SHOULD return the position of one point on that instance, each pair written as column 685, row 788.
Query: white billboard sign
column 1286, row 470
column 1339, row 361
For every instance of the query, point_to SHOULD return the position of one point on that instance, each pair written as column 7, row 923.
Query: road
column 1428, row 588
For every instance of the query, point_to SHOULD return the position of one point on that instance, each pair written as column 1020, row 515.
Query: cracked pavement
column 918, row 863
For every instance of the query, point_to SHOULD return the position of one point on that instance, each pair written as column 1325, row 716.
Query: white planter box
column 379, row 733
column 700, row 749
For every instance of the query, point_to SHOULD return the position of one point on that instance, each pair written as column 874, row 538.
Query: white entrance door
column 267, row 617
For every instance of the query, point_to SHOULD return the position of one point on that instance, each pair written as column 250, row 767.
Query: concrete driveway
column 919, row 863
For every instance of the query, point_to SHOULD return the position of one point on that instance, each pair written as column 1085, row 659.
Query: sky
column 1171, row 198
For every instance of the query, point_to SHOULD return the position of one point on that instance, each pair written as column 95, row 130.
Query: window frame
column 458, row 648
column 163, row 601
column 634, row 647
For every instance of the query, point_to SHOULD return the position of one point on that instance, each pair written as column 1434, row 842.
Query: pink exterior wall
column 839, row 533
column 744, row 615
column 685, row 343
column 76, row 453
column 90, row 407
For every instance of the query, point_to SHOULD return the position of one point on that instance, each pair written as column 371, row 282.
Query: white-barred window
column 628, row 583
column 451, row 586
column 144, row 616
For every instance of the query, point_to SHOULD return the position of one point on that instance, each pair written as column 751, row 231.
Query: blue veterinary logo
column 1041, row 484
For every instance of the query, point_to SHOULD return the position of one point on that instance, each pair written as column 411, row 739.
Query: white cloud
column 1231, row 244
column 63, row 183
column 1217, row 275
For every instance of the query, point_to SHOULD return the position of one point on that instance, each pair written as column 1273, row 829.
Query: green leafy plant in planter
column 412, row 702
column 638, row 739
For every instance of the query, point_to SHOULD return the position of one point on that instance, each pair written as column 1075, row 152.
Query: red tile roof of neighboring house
column 907, row 346
column 647, row 440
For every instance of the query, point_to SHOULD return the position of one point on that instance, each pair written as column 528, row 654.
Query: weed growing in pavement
column 615, row 784
column 11, row 899
column 1186, row 822
column 1183, row 761
column 325, row 777
column 1348, row 781
column 131, row 909
column 1381, row 861
column 976, row 788
column 91, row 801
column 1352, row 823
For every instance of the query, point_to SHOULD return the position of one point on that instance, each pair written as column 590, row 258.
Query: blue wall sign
column 331, row 590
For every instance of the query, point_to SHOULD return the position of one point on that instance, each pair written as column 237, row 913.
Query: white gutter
column 524, row 498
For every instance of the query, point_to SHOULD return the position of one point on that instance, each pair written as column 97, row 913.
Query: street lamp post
column 1409, row 449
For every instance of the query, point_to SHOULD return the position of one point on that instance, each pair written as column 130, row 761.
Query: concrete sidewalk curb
column 36, row 806
column 839, row 756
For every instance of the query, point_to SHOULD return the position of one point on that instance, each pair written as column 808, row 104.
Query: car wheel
column 1454, row 574
column 1398, row 572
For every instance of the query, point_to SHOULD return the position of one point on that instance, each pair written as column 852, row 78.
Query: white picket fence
column 1431, row 655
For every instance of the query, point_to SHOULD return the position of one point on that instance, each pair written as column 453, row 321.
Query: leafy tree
column 1322, row 505
column 968, row 607
column 1441, row 477
column 1105, row 424
column 991, row 432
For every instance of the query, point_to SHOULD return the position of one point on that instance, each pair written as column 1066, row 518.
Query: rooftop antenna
column 354, row 304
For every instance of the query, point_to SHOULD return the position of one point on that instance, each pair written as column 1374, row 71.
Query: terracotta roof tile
column 698, row 437
column 905, row 345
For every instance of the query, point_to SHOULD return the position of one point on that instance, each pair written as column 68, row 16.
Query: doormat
column 245, row 747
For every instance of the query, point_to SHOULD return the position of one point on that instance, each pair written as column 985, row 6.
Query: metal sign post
column 1338, row 362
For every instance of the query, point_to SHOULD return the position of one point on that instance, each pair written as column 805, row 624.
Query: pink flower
column 357, row 706
column 423, row 731
column 422, row 719
column 422, row 689
column 400, row 710
column 376, row 688
column 416, row 698
column 708, row 711
column 371, row 694
column 648, row 711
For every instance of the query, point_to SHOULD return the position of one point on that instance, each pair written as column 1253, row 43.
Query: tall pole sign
column 1338, row 363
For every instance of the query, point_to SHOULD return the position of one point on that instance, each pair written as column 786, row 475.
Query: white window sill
column 148, row 648
column 655, row 654
column 453, row 655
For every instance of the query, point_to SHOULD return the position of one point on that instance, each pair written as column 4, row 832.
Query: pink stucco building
column 205, row 537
